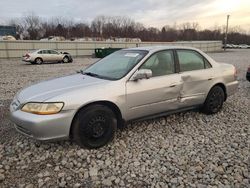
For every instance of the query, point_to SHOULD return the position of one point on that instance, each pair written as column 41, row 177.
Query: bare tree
column 19, row 27
column 98, row 25
column 118, row 26
column 32, row 24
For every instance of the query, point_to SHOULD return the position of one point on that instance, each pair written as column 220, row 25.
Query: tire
column 214, row 100
column 38, row 61
column 94, row 126
column 65, row 59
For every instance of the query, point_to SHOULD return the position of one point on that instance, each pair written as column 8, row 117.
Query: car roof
column 153, row 49
column 158, row 48
column 45, row 49
column 35, row 51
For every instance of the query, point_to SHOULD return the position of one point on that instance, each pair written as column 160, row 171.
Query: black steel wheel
column 214, row 100
column 94, row 126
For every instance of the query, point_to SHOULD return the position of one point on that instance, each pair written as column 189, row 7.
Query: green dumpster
column 103, row 52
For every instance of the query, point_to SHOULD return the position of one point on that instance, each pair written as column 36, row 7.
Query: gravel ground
column 183, row 150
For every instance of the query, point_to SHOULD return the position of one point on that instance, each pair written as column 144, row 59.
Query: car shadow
column 46, row 63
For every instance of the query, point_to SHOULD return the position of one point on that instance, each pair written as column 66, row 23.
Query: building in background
column 7, row 30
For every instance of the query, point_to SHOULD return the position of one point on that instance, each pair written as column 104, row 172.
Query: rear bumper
column 232, row 87
column 26, row 59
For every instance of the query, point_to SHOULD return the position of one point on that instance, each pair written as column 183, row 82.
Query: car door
column 196, row 74
column 55, row 56
column 45, row 55
column 41, row 54
column 158, row 93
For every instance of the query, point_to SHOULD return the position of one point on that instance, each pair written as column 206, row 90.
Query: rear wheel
column 94, row 126
column 214, row 100
column 38, row 61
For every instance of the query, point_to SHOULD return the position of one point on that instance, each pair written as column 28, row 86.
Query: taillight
column 248, row 70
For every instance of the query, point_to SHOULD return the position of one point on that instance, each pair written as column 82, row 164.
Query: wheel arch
column 223, row 87
column 38, row 58
column 67, row 56
column 108, row 104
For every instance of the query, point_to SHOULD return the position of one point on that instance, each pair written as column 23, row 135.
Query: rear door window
column 190, row 60
column 45, row 52
column 53, row 52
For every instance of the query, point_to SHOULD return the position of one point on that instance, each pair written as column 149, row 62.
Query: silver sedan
column 45, row 55
column 129, row 84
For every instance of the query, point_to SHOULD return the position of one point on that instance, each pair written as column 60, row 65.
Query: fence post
column 6, row 46
column 33, row 45
column 76, row 48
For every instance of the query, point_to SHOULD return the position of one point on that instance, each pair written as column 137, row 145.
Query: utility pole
column 225, row 44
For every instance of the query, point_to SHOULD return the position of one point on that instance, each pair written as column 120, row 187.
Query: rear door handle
column 209, row 78
column 173, row 85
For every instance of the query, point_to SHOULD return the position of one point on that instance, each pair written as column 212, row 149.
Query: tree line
column 32, row 27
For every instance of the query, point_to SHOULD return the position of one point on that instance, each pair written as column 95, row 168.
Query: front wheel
column 66, row 59
column 214, row 100
column 94, row 126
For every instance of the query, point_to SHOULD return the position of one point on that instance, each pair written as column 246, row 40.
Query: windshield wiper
column 93, row 75
column 90, row 74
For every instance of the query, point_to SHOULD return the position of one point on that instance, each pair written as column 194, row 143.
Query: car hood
column 45, row 90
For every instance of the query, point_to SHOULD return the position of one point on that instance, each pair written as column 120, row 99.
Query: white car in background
column 44, row 55
column 7, row 37
column 244, row 46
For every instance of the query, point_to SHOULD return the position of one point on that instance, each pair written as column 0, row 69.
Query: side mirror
column 142, row 74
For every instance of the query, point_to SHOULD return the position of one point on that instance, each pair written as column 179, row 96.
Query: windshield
column 116, row 65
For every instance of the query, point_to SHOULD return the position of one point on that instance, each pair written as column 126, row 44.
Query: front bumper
column 232, row 87
column 43, row 127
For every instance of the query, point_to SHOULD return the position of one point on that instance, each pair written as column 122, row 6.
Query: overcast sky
column 157, row 13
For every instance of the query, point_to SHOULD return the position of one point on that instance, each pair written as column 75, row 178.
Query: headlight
column 43, row 108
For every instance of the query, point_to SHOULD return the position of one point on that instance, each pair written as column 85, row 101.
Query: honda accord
column 127, row 85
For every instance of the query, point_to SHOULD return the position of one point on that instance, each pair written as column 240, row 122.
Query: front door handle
column 209, row 78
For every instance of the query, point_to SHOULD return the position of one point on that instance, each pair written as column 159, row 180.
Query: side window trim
column 207, row 62
column 176, row 61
